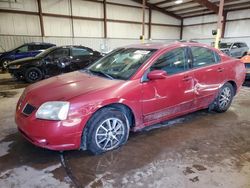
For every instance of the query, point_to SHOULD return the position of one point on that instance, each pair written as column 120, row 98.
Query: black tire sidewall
column 40, row 74
column 218, row 108
column 97, row 119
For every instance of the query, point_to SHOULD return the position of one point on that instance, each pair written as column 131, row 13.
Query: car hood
column 66, row 87
column 224, row 49
column 23, row 61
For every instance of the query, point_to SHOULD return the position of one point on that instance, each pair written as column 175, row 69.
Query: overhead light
column 178, row 1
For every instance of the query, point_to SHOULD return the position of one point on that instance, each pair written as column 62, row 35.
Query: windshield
column 45, row 52
column 225, row 45
column 121, row 63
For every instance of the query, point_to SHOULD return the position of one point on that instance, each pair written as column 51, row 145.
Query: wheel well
column 121, row 107
column 126, row 110
column 234, row 86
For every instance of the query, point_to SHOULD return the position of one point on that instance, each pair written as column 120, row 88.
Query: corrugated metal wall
column 17, row 29
column 237, row 30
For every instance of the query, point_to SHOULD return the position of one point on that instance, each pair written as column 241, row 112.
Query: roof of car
column 40, row 43
column 165, row 45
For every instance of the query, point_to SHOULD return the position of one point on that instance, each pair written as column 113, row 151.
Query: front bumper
column 53, row 135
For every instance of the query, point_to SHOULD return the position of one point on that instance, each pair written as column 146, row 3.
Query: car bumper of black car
column 16, row 73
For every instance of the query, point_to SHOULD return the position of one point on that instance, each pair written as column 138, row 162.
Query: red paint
column 151, row 102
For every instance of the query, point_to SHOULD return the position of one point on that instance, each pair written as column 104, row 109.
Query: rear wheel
column 33, row 74
column 108, row 130
column 225, row 97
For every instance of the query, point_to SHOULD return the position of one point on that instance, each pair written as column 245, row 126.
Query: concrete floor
column 198, row 150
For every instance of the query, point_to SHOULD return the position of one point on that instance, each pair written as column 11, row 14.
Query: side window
column 34, row 47
column 22, row 49
column 203, row 57
column 59, row 53
column 172, row 62
column 80, row 52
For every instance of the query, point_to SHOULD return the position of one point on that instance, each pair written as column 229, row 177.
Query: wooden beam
column 40, row 17
column 153, row 7
column 209, row 5
column 105, row 18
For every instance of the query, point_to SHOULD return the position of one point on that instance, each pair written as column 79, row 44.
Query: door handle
column 187, row 78
column 220, row 69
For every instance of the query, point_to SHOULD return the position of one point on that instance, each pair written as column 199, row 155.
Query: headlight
column 14, row 66
column 53, row 110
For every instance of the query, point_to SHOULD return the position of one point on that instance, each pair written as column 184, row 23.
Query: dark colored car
column 129, row 89
column 53, row 61
column 26, row 50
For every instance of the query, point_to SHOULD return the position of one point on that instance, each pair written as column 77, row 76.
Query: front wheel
column 108, row 130
column 33, row 74
column 224, row 98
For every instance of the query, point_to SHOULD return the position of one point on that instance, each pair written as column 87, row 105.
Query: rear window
column 80, row 52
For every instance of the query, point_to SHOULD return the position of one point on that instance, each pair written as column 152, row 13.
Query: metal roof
column 191, row 8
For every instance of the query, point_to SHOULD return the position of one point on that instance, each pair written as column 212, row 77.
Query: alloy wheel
column 33, row 75
column 225, row 97
column 110, row 133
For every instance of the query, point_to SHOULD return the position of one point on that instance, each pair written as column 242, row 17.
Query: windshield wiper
column 101, row 73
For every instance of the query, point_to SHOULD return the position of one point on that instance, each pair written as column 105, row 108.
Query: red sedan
column 127, row 90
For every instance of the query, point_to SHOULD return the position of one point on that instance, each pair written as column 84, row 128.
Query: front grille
column 28, row 109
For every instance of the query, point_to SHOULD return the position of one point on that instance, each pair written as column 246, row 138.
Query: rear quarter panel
column 234, row 70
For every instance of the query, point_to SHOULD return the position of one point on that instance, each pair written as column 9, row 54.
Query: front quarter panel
column 128, row 93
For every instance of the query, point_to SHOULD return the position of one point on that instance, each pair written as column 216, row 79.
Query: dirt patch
column 7, row 94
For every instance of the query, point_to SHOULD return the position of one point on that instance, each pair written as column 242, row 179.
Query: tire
column 224, row 98
column 103, row 131
column 33, row 74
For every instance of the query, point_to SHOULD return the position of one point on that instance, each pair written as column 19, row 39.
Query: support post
column 224, row 24
column 40, row 17
column 181, row 32
column 72, row 21
column 105, row 18
column 149, row 23
column 143, row 20
column 219, row 24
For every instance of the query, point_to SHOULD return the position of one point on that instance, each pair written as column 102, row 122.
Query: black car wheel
column 224, row 98
column 33, row 74
column 109, row 129
column 5, row 63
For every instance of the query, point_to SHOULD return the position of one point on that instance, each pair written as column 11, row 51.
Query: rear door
column 80, row 58
column 173, row 95
column 209, row 75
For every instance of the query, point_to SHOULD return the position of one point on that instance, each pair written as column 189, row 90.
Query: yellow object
column 217, row 39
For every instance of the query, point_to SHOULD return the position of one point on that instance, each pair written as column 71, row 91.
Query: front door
column 56, row 61
column 173, row 95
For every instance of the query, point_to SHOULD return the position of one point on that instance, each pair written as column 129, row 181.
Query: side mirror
column 234, row 47
column 157, row 74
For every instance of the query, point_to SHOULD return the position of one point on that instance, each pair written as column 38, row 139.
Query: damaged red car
column 127, row 90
